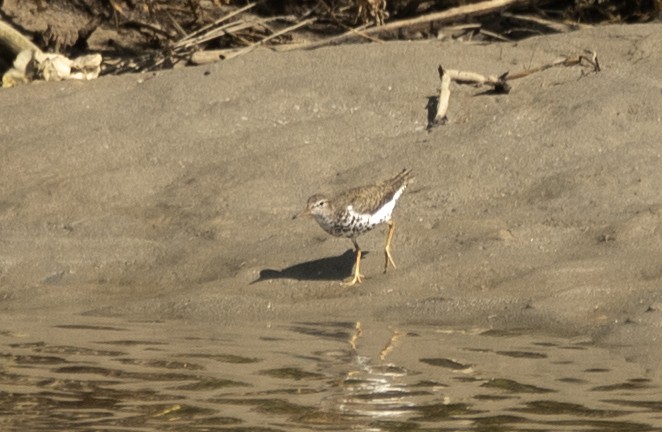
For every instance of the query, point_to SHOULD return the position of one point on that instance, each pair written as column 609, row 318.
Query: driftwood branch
column 275, row 35
column 452, row 14
column 210, row 27
column 209, row 56
column 499, row 84
column 444, row 97
column 589, row 57
column 455, row 13
column 13, row 42
column 560, row 27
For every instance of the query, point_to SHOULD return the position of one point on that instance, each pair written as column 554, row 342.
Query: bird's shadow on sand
column 334, row 268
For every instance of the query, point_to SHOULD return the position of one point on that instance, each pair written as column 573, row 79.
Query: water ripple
column 327, row 376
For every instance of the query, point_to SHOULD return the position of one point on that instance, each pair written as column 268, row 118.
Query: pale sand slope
column 166, row 195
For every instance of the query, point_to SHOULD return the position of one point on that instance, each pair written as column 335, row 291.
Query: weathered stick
column 13, row 42
column 559, row 27
column 444, row 97
column 561, row 61
column 452, row 14
column 226, row 29
column 339, row 22
column 268, row 38
column 500, row 83
column 449, row 14
column 357, row 31
column 183, row 41
column 210, row 56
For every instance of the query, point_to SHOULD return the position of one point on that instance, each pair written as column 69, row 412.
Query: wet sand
column 171, row 195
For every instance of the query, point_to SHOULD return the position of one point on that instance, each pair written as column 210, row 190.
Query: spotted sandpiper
column 357, row 211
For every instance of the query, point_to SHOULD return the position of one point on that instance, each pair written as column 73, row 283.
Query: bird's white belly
column 355, row 223
column 380, row 216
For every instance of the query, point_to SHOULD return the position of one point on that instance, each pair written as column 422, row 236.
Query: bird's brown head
column 317, row 204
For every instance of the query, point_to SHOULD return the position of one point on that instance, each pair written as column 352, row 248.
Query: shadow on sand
column 332, row 268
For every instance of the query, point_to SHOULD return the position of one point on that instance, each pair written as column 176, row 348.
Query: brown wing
column 368, row 199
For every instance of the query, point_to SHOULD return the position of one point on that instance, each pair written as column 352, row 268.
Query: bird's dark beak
column 304, row 212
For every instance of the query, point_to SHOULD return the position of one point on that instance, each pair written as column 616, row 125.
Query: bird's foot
column 388, row 259
column 357, row 278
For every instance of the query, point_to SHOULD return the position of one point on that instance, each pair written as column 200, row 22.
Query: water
column 103, row 374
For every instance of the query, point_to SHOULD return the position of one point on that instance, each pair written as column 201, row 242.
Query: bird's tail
column 403, row 178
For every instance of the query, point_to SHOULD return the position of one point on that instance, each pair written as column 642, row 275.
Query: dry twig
column 275, row 35
column 452, row 14
column 559, row 27
column 209, row 56
column 498, row 83
column 203, row 30
column 328, row 41
column 561, row 61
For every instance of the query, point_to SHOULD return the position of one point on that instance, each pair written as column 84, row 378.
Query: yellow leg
column 387, row 250
column 358, row 277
